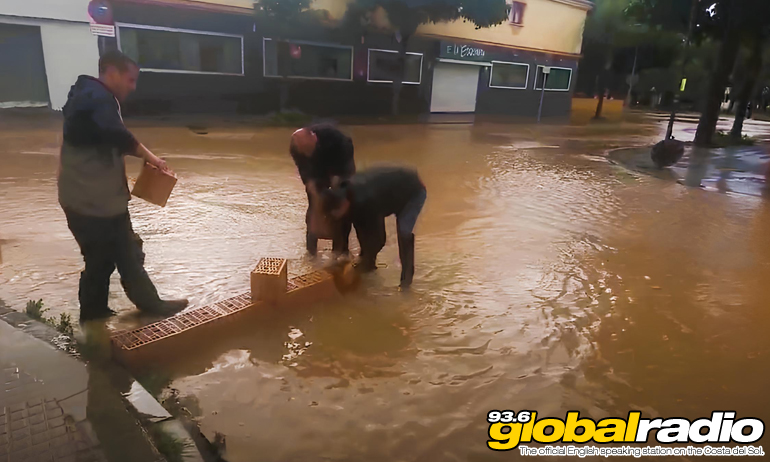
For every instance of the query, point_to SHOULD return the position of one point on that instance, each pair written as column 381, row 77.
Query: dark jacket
column 375, row 194
column 92, row 173
column 333, row 156
column 382, row 191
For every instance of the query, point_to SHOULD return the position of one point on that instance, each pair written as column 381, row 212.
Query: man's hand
column 156, row 161
column 152, row 159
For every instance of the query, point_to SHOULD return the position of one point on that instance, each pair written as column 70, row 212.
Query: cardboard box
column 321, row 225
column 154, row 185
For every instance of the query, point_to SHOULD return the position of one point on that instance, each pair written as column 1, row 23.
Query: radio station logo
column 508, row 429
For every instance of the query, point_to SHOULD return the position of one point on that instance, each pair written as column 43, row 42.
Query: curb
column 156, row 422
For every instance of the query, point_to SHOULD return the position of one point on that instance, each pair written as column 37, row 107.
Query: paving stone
column 21, row 443
column 60, row 440
column 18, row 415
column 39, row 428
column 18, row 425
column 51, row 413
column 19, row 434
column 17, row 407
column 36, row 419
column 35, row 410
column 56, row 422
column 51, row 404
column 40, row 438
column 3, row 429
column 65, row 450
column 56, row 432
column 20, row 455
column 4, row 447
column 70, row 458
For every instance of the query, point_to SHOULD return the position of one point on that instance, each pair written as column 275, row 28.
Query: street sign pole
column 546, row 71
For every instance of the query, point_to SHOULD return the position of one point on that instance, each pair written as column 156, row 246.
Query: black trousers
column 106, row 244
column 341, row 240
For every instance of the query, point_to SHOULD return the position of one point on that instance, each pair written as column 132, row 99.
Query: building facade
column 216, row 56
column 44, row 46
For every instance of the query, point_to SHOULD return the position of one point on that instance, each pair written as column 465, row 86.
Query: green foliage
column 289, row 119
column 282, row 9
column 64, row 325
column 155, row 383
column 406, row 16
column 170, row 447
column 35, row 310
column 723, row 140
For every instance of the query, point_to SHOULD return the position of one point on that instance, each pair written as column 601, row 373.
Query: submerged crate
column 154, row 185
column 268, row 280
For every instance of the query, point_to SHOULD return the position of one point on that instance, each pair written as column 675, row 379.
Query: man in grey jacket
column 93, row 190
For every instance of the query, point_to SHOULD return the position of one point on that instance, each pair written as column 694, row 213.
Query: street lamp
column 682, row 81
column 546, row 71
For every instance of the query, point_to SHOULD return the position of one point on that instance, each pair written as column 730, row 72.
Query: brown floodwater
column 548, row 278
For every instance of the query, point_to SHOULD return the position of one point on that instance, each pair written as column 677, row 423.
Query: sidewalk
column 736, row 169
column 56, row 408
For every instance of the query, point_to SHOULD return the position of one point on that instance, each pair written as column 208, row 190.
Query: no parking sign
column 102, row 23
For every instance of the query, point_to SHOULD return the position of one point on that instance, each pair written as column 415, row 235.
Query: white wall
column 65, row 10
column 69, row 50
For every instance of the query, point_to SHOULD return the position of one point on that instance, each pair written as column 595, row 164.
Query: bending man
column 323, row 153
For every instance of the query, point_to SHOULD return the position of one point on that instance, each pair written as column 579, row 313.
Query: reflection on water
column 547, row 279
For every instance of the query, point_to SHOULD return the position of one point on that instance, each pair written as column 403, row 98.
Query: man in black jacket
column 321, row 154
column 370, row 196
column 93, row 190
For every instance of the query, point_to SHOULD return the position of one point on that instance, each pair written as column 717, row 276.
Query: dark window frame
column 569, row 83
column 491, row 74
column 307, row 42
column 369, row 66
column 119, row 25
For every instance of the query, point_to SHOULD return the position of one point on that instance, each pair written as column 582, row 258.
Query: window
column 384, row 67
column 558, row 80
column 509, row 75
column 307, row 60
column 175, row 50
column 516, row 13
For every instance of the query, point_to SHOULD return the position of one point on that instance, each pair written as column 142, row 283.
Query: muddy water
column 547, row 279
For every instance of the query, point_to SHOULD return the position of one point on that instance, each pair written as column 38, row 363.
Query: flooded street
column 547, row 278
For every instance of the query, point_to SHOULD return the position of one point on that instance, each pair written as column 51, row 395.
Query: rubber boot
column 312, row 244
column 366, row 264
column 406, row 254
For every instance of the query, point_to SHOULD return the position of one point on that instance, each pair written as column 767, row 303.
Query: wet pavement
column 54, row 408
column 548, row 278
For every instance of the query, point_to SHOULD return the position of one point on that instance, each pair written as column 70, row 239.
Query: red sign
column 100, row 12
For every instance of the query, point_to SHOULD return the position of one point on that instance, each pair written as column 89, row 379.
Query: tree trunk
column 746, row 95
column 599, row 106
column 284, row 95
column 602, row 84
column 728, row 51
column 398, row 84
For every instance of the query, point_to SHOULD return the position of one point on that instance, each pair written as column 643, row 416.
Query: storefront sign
column 463, row 52
column 102, row 30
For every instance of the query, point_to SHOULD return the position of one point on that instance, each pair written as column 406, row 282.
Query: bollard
column 268, row 280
